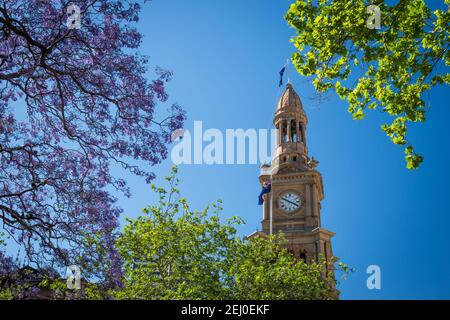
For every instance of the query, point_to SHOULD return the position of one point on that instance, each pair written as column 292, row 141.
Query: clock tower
column 293, row 205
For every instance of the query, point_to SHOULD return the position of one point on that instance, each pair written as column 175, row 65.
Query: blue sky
column 226, row 56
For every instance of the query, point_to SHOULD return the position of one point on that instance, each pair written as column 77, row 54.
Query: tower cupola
column 290, row 121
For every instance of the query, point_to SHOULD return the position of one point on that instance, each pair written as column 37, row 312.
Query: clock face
column 290, row 202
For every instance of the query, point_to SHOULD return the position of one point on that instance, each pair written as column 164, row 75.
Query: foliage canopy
column 389, row 69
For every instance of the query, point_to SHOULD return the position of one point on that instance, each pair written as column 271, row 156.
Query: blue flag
column 267, row 186
column 281, row 75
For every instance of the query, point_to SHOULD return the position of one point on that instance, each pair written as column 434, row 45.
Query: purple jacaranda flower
column 73, row 103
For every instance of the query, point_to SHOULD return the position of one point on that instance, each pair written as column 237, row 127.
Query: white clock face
column 290, row 202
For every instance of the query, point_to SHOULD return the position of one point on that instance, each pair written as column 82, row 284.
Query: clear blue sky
column 226, row 56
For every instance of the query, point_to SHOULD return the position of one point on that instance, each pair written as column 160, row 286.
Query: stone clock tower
column 293, row 205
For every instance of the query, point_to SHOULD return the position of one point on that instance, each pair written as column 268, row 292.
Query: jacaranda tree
column 74, row 101
column 375, row 55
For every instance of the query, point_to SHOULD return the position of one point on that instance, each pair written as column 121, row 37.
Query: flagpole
column 286, row 66
column 287, row 69
column 271, row 214
column 271, row 208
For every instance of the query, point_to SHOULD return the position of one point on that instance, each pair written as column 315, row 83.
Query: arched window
column 303, row 256
column 294, row 132
column 301, row 132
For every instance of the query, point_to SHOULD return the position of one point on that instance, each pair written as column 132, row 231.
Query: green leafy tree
column 266, row 270
column 173, row 252
column 388, row 68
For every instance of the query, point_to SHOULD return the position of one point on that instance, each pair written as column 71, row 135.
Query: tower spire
column 290, row 121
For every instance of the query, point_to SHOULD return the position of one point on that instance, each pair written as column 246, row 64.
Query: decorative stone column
column 314, row 202
column 278, row 134
column 304, row 135
column 308, row 200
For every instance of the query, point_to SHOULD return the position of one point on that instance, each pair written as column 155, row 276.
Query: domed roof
column 290, row 101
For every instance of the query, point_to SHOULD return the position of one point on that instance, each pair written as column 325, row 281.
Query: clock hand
column 289, row 201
